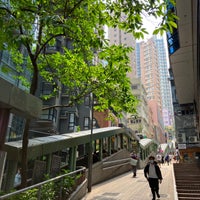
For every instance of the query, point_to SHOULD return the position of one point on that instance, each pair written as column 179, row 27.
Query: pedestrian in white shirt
column 154, row 176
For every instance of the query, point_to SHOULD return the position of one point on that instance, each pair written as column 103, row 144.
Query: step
column 189, row 195
column 183, row 190
column 190, row 187
column 188, row 198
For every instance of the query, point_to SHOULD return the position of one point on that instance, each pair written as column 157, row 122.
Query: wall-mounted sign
column 182, row 146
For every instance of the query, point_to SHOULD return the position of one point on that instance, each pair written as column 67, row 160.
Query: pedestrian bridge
column 54, row 152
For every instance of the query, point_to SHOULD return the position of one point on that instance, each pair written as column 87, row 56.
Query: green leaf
column 173, row 24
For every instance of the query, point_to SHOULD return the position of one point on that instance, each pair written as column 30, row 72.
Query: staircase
column 187, row 178
column 41, row 128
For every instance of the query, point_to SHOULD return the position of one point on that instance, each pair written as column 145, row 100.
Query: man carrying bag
column 133, row 162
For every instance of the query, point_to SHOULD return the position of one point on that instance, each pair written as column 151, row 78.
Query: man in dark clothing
column 153, row 175
column 167, row 159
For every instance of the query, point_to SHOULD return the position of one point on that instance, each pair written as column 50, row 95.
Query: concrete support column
column 100, row 149
column 4, row 118
column 117, row 142
column 87, row 146
column 11, row 170
column 49, row 159
column 109, row 145
column 121, row 141
column 72, row 158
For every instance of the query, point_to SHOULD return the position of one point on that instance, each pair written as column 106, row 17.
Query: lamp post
column 90, row 155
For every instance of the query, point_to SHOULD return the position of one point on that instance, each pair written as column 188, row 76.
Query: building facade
column 117, row 36
column 165, row 88
column 183, row 47
column 141, row 123
column 9, row 73
column 150, row 77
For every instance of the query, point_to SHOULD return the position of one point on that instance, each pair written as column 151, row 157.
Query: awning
column 144, row 143
column 46, row 145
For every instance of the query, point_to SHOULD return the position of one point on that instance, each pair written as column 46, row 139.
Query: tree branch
column 75, row 6
column 8, row 11
column 45, row 43
column 57, row 106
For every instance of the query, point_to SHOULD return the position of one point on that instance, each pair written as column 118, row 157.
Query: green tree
column 34, row 25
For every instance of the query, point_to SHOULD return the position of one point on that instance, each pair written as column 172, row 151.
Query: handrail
column 116, row 161
column 39, row 185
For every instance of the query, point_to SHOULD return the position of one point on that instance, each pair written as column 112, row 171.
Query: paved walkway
column 125, row 187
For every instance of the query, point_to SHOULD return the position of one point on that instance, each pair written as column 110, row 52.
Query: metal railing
column 59, row 187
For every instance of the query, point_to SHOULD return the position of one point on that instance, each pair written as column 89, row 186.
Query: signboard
column 55, row 165
column 2, row 165
column 182, row 146
column 38, row 171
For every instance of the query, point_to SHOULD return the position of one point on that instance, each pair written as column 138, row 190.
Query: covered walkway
column 125, row 187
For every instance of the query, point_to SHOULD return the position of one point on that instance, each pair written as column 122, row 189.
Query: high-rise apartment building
column 120, row 37
column 165, row 88
column 137, row 53
column 150, row 72
column 157, row 78
column 117, row 36
column 150, row 77
column 141, row 123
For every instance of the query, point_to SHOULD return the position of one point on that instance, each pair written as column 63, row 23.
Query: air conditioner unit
column 192, row 139
column 181, row 138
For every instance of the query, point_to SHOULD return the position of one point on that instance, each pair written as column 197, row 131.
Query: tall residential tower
column 165, row 88
column 150, row 77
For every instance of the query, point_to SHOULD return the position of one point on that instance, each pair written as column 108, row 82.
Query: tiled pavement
column 125, row 187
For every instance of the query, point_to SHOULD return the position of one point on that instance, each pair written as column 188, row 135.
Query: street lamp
column 90, row 155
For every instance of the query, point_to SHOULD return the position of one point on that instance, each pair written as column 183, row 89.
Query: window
column 94, row 123
column 71, row 121
column 87, row 100
column 46, row 88
column 49, row 114
column 86, row 123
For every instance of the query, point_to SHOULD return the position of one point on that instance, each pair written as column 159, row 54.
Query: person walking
column 167, row 159
column 159, row 159
column 177, row 155
column 133, row 162
column 163, row 160
column 153, row 174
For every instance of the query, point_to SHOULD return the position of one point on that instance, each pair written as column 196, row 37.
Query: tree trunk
column 4, row 113
column 24, row 161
